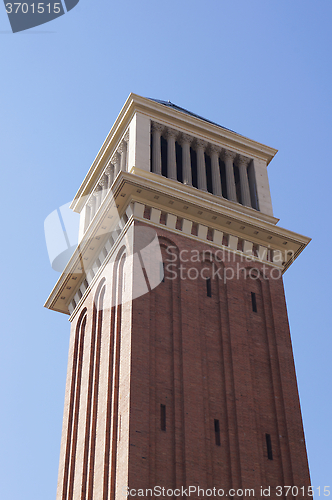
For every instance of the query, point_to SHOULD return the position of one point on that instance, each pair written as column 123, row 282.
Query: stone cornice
column 182, row 202
column 195, row 197
column 201, row 128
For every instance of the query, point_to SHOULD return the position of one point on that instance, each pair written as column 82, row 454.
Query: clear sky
column 259, row 67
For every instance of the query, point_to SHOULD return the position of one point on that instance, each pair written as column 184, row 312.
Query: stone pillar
column 92, row 207
column 116, row 162
column 97, row 195
column 123, row 154
column 157, row 130
column 109, row 173
column 230, row 180
column 103, row 182
column 215, row 170
column 201, row 170
column 171, row 154
column 186, row 163
column 242, row 163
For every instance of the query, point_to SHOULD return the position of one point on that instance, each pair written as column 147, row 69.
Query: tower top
column 172, row 167
column 137, row 115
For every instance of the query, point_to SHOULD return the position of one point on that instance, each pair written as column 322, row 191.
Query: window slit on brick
column 269, row 446
column 217, row 432
column 162, row 272
column 208, row 287
column 163, row 417
column 253, row 302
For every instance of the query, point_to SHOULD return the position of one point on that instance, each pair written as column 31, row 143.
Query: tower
column 180, row 370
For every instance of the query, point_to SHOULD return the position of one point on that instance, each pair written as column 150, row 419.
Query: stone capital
column 108, row 170
column 185, row 139
column 122, row 147
column 242, row 160
column 126, row 136
column 200, row 144
column 115, row 158
column 171, row 133
column 157, row 127
column 97, row 190
column 228, row 155
column 103, row 181
column 90, row 201
column 213, row 148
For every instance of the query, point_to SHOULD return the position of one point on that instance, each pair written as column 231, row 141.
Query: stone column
column 97, row 195
column 242, row 163
column 92, row 207
column 230, row 180
column 215, row 170
column 201, row 170
column 157, row 130
column 109, row 173
column 123, row 156
column 116, row 162
column 103, row 182
column 171, row 154
column 186, row 163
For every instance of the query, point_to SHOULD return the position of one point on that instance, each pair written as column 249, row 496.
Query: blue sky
column 261, row 68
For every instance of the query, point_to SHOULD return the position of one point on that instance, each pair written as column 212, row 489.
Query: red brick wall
column 209, row 358
column 205, row 359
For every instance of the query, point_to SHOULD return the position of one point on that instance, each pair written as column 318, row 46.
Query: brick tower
column 181, row 370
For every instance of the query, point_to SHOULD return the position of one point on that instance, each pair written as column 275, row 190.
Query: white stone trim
column 187, row 226
column 262, row 252
column 232, row 242
column 171, row 221
column 155, row 215
column 202, row 231
column 217, row 237
column 247, row 247
column 138, row 209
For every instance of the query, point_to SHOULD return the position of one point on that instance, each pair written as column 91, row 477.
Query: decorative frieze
column 174, row 223
column 192, row 229
column 155, row 215
column 186, row 226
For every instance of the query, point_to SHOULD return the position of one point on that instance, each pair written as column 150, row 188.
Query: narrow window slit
column 162, row 272
column 163, row 417
column 253, row 302
column 217, row 432
column 269, row 446
column 208, row 287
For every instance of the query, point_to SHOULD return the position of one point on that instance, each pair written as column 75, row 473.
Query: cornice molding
column 188, row 203
column 195, row 123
